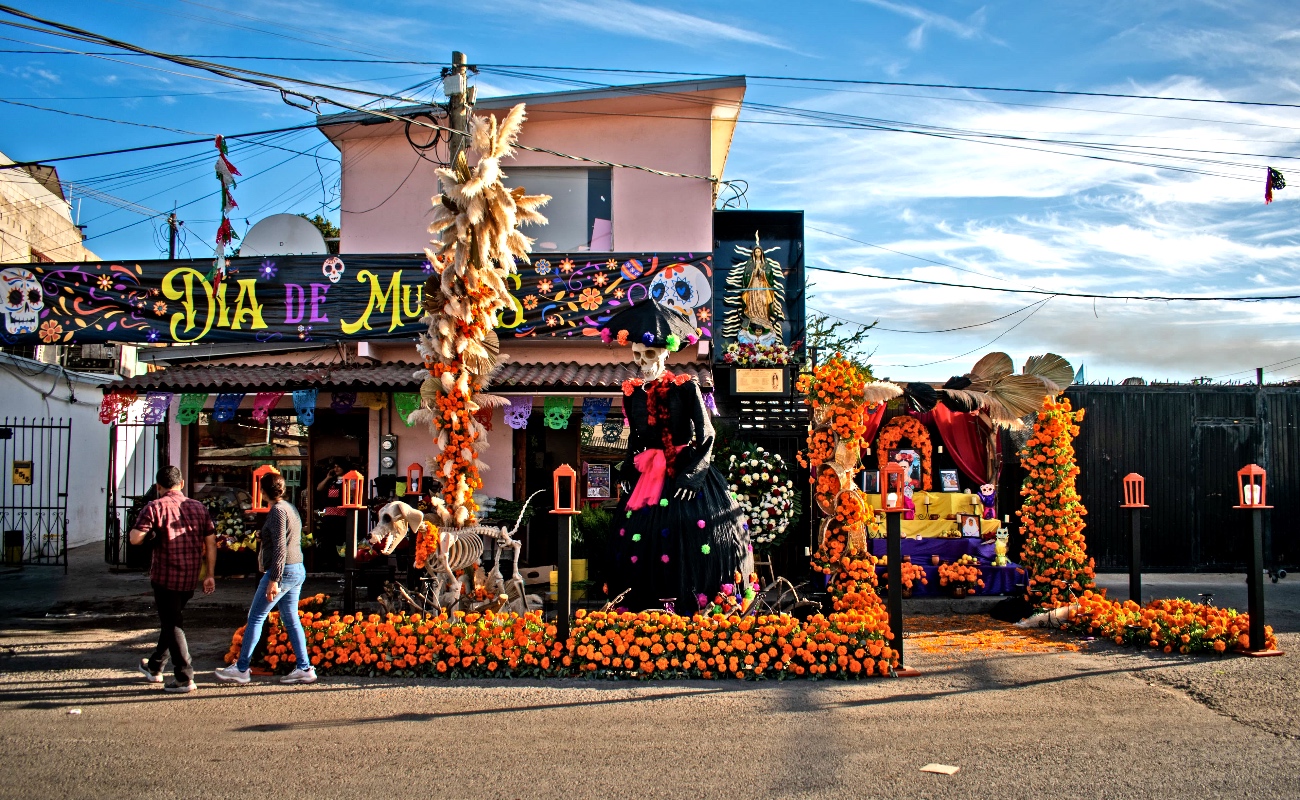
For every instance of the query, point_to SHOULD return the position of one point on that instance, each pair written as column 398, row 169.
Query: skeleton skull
column 23, row 300
column 396, row 520
column 650, row 360
column 333, row 268
column 683, row 287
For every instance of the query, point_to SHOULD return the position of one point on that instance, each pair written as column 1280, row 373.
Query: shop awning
column 565, row 376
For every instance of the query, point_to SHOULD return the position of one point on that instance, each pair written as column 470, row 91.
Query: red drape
column 962, row 435
column 872, row 419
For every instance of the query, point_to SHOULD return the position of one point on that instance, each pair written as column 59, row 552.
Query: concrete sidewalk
column 91, row 589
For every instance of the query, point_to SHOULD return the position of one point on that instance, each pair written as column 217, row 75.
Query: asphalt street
column 1021, row 718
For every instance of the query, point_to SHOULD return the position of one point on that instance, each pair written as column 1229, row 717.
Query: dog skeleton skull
column 650, row 360
column 23, row 300
column 396, row 520
column 333, row 268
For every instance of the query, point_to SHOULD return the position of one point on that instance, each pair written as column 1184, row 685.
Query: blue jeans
column 287, row 604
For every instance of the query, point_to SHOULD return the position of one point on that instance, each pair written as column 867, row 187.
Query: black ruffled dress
column 680, row 549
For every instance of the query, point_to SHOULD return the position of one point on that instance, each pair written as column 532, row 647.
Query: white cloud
column 647, row 22
column 973, row 28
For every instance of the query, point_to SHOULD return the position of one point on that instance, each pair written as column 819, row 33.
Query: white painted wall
column 47, row 392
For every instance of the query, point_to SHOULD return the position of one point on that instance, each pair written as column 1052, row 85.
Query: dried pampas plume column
column 476, row 221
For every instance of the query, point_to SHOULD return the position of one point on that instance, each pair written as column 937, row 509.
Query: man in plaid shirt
column 183, row 535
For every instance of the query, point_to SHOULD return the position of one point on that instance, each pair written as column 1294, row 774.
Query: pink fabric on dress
column 653, row 466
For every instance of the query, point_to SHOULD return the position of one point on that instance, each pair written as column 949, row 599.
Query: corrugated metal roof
column 391, row 376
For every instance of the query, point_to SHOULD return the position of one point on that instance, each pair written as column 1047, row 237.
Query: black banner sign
column 325, row 298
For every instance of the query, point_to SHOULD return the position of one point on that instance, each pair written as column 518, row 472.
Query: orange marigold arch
column 909, row 428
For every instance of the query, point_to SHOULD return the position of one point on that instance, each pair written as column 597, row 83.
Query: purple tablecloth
column 997, row 580
column 946, row 549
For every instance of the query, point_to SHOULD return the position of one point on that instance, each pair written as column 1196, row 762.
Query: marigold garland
column 898, row 429
column 1051, row 515
column 1168, row 625
column 649, row 644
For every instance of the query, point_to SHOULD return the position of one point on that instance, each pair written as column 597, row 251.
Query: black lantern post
column 566, row 491
column 1251, row 497
column 1135, row 501
column 353, row 487
column 892, row 478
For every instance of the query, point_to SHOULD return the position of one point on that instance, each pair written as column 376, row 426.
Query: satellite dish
column 283, row 235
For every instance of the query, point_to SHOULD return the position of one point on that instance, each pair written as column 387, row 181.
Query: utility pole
column 173, row 225
column 460, row 107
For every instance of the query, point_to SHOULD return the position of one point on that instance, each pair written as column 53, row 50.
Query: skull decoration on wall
column 650, row 360
column 683, row 287
column 23, row 300
column 333, row 268
column 557, row 411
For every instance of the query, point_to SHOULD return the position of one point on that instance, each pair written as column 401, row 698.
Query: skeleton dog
column 457, row 549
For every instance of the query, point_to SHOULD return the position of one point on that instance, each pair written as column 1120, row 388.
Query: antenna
column 283, row 235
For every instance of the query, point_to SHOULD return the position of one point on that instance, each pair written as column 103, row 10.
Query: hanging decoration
column 611, row 431
column 114, row 404
column 304, row 404
column 484, row 418
column 405, row 403
column 155, row 407
column 518, row 412
column 187, row 413
column 911, row 429
column 710, row 403
column 226, row 173
column 223, row 410
column 375, row 401
column 595, row 409
column 1273, row 180
column 342, row 402
column 557, row 413
column 585, row 434
column 263, row 403
column 476, row 220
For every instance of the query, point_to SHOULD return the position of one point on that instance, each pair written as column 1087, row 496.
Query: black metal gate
column 34, row 504
column 134, row 450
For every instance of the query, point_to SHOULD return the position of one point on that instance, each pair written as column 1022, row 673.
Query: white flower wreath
column 758, row 480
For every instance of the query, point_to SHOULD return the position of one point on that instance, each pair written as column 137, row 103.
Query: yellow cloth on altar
column 943, row 504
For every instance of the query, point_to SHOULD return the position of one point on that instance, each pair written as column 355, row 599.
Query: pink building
column 597, row 211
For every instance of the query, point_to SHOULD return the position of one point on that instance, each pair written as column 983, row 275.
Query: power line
column 99, row 119
column 1151, row 298
column 876, row 327
column 989, row 343
column 913, row 85
column 206, row 140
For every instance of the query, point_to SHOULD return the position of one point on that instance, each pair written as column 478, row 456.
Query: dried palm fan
column 1005, row 397
column 1053, row 370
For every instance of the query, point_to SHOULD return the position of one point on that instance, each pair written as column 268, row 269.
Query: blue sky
column 989, row 215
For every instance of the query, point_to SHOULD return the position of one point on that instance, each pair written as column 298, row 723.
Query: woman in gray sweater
column 280, row 559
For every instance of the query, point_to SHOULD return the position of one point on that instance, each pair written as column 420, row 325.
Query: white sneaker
column 300, row 676
column 173, row 687
column 232, row 674
column 150, row 675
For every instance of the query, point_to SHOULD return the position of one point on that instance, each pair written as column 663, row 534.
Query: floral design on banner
column 557, row 412
column 484, row 417
column 263, row 403
column 187, row 413
column 342, row 402
column 611, row 431
column 223, row 410
column 114, row 403
column 406, row 403
column 595, row 409
column 304, row 403
column 155, row 407
column 518, row 412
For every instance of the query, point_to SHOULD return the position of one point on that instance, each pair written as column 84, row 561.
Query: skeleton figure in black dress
column 679, row 535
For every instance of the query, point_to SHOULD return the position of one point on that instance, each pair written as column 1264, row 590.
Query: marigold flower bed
column 1169, row 625
column 650, row 644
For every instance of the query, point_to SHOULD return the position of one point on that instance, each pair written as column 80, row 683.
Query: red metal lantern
column 893, row 478
column 1250, row 487
column 1135, row 491
column 259, row 500
column 414, row 478
column 354, row 488
column 566, row 494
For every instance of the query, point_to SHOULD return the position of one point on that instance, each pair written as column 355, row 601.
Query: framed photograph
column 911, row 461
column 870, row 479
column 948, row 480
column 598, row 480
column 969, row 524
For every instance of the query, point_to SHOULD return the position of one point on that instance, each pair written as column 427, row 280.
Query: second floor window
column 578, row 216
